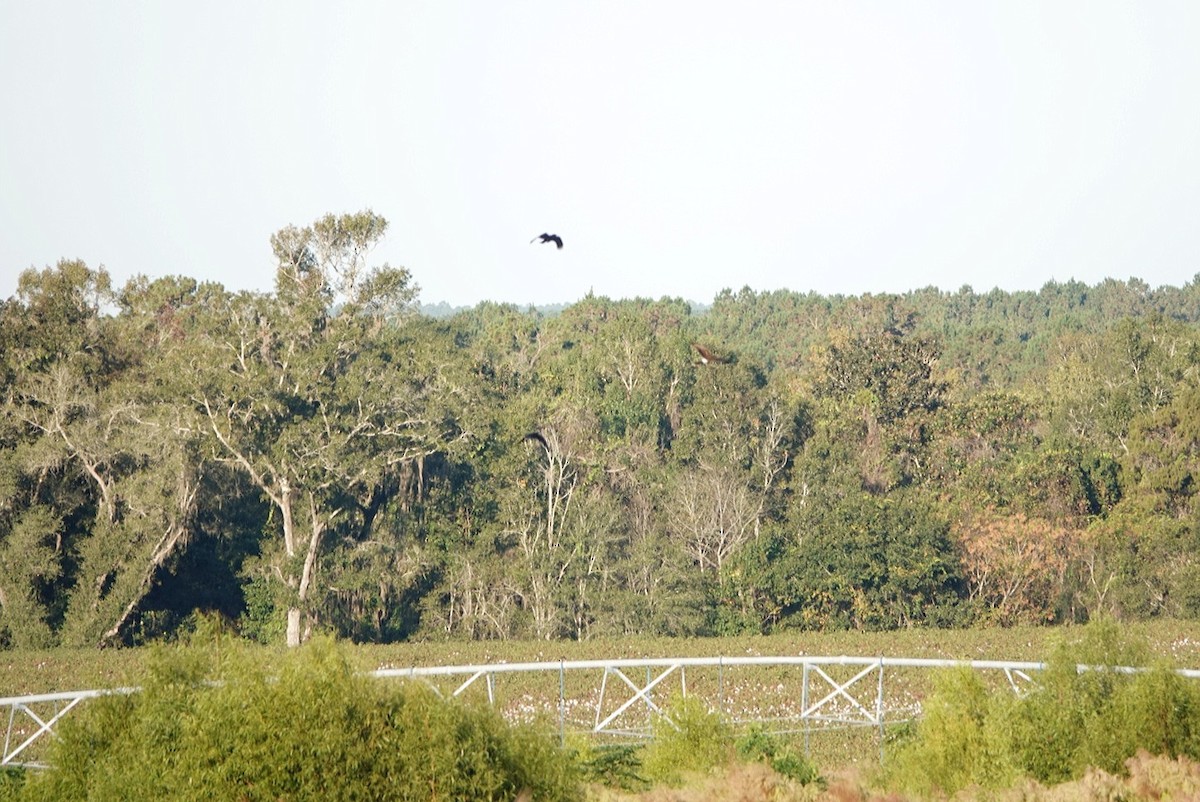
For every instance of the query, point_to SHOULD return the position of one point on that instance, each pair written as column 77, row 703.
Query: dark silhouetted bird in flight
column 557, row 240
column 539, row 438
column 707, row 357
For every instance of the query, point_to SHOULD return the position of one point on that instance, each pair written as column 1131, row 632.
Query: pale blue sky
column 678, row 148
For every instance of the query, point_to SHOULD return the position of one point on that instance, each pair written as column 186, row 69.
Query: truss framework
column 833, row 691
column 44, row 710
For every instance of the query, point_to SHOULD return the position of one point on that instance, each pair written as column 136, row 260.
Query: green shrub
column 1156, row 711
column 612, row 765
column 956, row 743
column 688, row 739
column 1045, row 728
column 1070, row 723
column 759, row 746
column 313, row 730
column 1097, row 718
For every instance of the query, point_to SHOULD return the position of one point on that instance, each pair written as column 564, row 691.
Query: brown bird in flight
column 557, row 240
column 707, row 357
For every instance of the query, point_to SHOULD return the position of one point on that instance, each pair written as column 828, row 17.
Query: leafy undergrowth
column 271, row 733
column 1075, row 735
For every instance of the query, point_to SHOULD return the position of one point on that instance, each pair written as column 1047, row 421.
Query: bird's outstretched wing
column 557, row 240
column 538, row 437
column 706, row 356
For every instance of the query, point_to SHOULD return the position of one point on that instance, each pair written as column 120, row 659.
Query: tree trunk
column 164, row 550
column 174, row 537
column 293, row 627
column 294, row 635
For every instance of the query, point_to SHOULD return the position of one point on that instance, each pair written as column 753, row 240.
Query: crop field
column 27, row 672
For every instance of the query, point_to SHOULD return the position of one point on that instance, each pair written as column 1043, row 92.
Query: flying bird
column 538, row 437
column 707, row 357
column 557, row 240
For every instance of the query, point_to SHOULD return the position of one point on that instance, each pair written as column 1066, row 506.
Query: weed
column 11, row 781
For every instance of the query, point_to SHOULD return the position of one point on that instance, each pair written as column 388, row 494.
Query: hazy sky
column 678, row 148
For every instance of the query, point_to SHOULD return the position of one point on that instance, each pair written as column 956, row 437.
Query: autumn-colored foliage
column 1018, row 568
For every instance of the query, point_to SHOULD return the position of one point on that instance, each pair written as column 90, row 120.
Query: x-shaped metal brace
column 639, row 692
column 841, row 689
column 44, row 727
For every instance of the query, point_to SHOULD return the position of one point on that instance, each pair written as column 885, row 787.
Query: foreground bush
column 1073, row 722
column 957, row 742
column 692, row 741
column 312, row 730
column 759, row 746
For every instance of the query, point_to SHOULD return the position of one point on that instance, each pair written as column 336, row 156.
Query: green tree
column 1143, row 550
column 319, row 395
column 89, row 401
column 857, row 562
column 881, row 393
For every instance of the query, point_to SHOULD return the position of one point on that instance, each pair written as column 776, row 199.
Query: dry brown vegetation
column 1150, row 779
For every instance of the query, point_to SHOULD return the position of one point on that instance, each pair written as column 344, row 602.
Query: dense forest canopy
column 326, row 457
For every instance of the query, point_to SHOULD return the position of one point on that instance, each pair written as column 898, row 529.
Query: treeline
column 324, row 457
